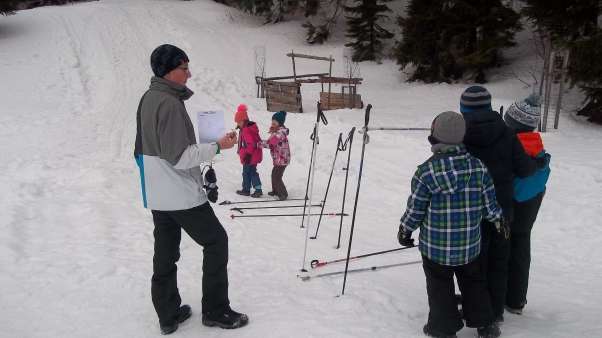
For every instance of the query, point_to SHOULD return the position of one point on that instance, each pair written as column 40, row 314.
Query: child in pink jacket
column 249, row 151
column 281, row 153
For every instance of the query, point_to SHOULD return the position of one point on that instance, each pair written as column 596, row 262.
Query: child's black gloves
column 405, row 238
column 543, row 161
column 210, row 185
column 502, row 230
column 248, row 159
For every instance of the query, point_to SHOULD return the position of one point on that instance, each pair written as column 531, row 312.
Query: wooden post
column 294, row 71
column 546, row 51
column 329, row 76
column 565, row 64
column 549, row 79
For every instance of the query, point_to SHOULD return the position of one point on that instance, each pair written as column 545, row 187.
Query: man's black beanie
column 166, row 58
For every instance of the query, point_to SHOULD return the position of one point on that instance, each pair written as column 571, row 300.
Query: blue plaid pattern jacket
column 451, row 193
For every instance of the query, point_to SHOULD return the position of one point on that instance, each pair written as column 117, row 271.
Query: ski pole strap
column 321, row 115
column 343, row 145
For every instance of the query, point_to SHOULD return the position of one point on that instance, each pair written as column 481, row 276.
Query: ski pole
column 316, row 264
column 288, row 199
column 366, row 139
column 278, row 207
column 373, row 268
column 350, row 139
column 320, row 115
column 393, row 128
column 339, row 143
column 310, row 176
column 281, row 215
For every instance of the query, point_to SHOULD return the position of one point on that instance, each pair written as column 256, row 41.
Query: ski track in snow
column 76, row 253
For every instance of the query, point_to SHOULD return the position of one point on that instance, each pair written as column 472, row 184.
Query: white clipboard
column 211, row 125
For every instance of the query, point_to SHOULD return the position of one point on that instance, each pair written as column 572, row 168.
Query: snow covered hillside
column 76, row 244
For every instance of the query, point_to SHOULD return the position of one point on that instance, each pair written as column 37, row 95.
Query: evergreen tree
column 564, row 20
column 573, row 25
column 422, row 43
column 586, row 71
column 446, row 38
column 320, row 33
column 363, row 28
column 9, row 7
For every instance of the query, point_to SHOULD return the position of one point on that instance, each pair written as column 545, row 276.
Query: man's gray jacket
column 166, row 150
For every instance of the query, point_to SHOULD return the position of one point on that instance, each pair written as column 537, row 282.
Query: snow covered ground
column 76, row 244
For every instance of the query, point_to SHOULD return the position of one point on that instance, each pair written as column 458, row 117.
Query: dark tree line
column 10, row 7
column 442, row 40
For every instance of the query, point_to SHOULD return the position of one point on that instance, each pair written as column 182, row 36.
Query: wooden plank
column 285, row 93
column 337, row 102
column 287, row 108
column 288, row 95
column 290, row 77
column 305, row 56
column 290, row 103
column 282, row 84
column 278, row 94
column 332, row 80
column 276, row 100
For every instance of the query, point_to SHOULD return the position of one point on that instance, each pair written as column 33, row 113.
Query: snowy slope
column 76, row 244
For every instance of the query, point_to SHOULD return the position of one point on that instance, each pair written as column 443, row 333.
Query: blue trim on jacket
column 140, row 162
column 527, row 188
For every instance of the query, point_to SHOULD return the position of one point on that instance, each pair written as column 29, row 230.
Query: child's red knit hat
column 241, row 113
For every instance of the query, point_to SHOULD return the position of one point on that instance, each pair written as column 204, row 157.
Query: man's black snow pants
column 443, row 308
column 203, row 227
column 525, row 214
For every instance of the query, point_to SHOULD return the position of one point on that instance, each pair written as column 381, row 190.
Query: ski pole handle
column 367, row 117
column 319, row 111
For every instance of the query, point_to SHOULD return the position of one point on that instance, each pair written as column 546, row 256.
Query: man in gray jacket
column 169, row 159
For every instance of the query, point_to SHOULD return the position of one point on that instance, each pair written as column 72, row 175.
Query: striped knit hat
column 524, row 115
column 475, row 98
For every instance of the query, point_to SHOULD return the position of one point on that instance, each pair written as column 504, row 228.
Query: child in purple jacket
column 281, row 153
column 249, row 151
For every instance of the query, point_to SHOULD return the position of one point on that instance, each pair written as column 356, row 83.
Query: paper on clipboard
column 211, row 125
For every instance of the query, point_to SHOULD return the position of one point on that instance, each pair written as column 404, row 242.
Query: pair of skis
column 316, row 264
column 240, row 209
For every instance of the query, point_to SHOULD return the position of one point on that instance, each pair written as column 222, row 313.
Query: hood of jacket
column 532, row 143
column 181, row 92
column 483, row 127
column 443, row 170
column 252, row 127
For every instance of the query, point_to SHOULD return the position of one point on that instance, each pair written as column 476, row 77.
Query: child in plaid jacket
column 451, row 193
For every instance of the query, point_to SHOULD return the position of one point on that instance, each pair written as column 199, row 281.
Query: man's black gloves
column 210, row 185
column 502, row 230
column 544, row 160
column 248, row 159
column 405, row 237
